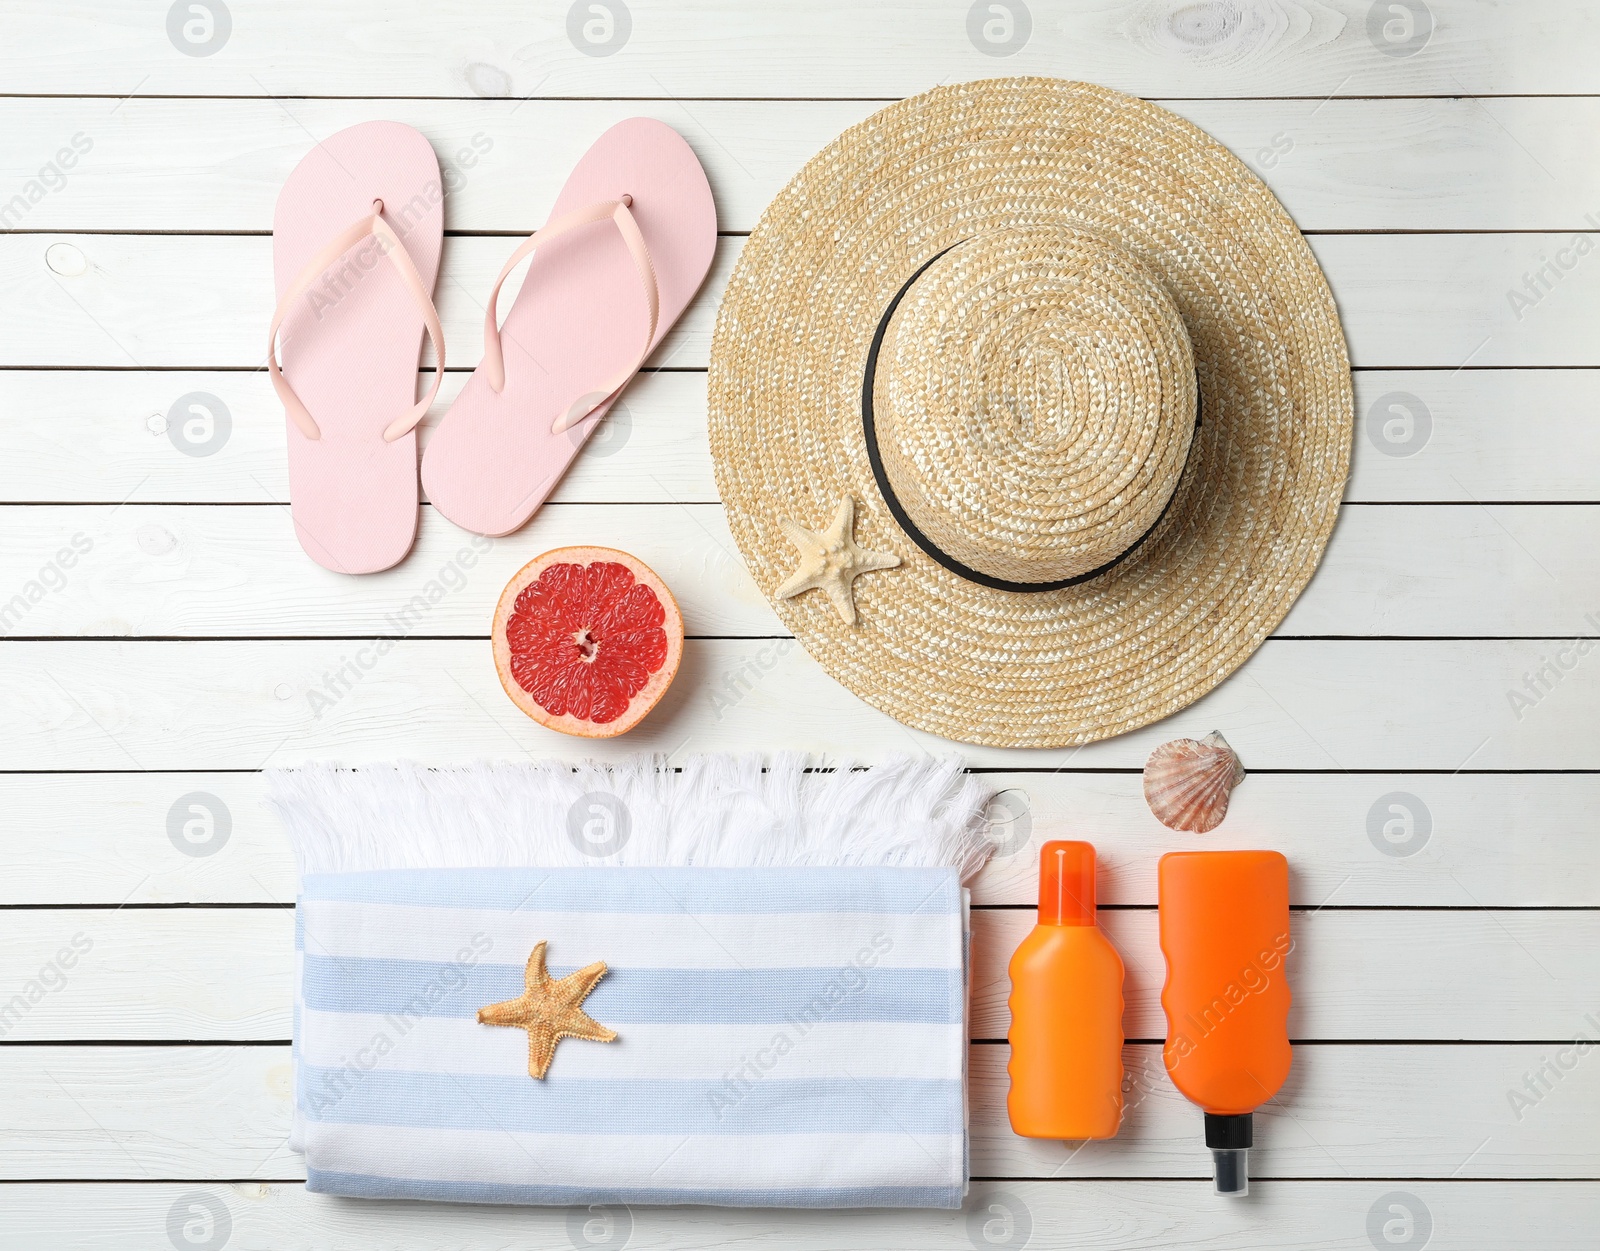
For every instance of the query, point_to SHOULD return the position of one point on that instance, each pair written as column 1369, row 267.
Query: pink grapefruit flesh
column 587, row 640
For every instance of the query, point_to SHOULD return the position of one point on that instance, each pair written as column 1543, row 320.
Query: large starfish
column 549, row 1011
column 831, row 561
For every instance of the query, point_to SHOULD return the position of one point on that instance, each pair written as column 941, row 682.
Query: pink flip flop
column 355, row 252
column 627, row 245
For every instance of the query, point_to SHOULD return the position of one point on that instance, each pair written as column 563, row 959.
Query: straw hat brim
column 1258, row 496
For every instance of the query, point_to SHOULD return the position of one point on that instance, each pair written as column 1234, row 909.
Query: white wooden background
column 1437, row 676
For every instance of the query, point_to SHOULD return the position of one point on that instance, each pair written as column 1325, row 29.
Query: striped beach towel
column 787, row 979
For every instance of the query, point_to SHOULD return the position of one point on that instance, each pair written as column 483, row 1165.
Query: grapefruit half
column 587, row 640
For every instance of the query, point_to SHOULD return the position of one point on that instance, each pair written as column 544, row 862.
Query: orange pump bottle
column 1225, row 934
column 1066, row 1009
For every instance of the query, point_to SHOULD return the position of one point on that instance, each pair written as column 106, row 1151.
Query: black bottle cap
column 1228, row 1133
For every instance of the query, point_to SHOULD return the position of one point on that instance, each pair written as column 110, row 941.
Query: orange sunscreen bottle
column 1225, row 934
column 1066, row 1009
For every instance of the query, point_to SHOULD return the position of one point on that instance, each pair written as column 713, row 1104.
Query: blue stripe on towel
column 664, row 996
column 368, row 1187
column 516, row 1104
column 669, row 890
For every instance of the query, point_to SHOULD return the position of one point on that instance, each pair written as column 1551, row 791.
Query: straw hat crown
column 1033, row 402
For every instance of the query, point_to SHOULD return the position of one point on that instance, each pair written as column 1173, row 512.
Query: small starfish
column 831, row 561
column 549, row 1011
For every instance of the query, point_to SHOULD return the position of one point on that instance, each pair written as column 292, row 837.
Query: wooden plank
column 117, row 838
column 1460, row 300
column 189, row 301
column 164, row 300
column 1352, row 839
column 1388, row 839
column 203, row 570
column 131, row 435
column 137, row 1112
column 1368, row 164
column 1094, row 1215
column 832, row 48
column 1357, row 975
column 1475, row 435
column 1296, row 704
column 1345, row 1111
column 226, row 974
column 218, row 165
column 195, row 570
column 1463, row 569
column 1421, row 435
column 221, row 973
column 208, row 1112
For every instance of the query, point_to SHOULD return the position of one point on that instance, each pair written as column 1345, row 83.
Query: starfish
column 831, row 561
column 549, row 1011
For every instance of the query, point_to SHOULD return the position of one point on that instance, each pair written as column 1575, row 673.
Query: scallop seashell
column 1187, row 782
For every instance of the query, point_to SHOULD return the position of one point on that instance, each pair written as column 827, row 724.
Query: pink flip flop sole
column 579, row 318
column 350, row 346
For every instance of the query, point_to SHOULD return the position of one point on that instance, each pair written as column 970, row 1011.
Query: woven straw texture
column 1031, row 399
column 1034, row 400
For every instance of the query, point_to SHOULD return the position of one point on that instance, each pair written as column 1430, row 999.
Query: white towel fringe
column 720, row 811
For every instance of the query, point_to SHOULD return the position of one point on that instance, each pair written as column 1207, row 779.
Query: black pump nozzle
column 1229, row 1138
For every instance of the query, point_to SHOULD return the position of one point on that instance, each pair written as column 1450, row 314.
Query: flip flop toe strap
column 616, row 211
column 388, row 245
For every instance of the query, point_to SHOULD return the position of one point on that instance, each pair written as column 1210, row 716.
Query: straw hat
column 1031, row 411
